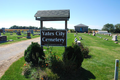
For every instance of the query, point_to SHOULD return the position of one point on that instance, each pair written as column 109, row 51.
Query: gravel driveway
column 12, row 52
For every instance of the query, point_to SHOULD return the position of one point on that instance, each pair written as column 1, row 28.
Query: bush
column 73, row 57
column 34, row 54
column 84, row 50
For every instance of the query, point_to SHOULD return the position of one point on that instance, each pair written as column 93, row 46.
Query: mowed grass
column 101, row 64
column 15, row 37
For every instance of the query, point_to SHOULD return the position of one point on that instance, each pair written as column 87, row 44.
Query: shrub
column 84, row 50
column 34, row 54
column 73, row 57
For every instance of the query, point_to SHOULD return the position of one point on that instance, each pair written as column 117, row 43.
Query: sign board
column 53, row 37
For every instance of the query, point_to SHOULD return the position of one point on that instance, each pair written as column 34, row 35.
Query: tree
column 117, row 28
column 108, row 27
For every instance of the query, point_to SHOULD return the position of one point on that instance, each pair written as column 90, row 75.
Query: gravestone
column 19, row 33
column 114, row 38
column 0, row 33
column 29, row 35
column 104, row 38
column 15, row 31
column 108, row 34
column 75, row 35
column 80, row 38
column 22, row 31
column 78, row 43
column 76, row 32
column 75, row 40
column 32, row 32
column 93, row 34
column 3, row 38
column 3, row 29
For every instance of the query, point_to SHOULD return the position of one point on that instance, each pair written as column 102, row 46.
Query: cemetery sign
column 53, row 37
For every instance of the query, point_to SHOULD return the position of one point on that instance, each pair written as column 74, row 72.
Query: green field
column 15, row 37
column 99, row 67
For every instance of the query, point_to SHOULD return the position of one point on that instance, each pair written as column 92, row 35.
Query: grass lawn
column 14, row 37
column 99, row 67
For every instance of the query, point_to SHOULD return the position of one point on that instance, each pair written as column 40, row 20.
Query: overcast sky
column 94, row 13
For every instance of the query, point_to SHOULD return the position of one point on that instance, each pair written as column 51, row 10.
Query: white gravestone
column 78, row 43
column 114, row 38
column 93, row 34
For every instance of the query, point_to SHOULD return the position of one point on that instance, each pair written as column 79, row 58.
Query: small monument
column 19, row 33
column 78, row 43
column 75, row 40
column 93, row 34
column 3, row 39
column 29, row 35
column 3, row 29
column 80, row 38
column 32, row 32
column 114, row 38
column 74, row 35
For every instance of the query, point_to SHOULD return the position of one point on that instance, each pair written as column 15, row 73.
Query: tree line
column 112, row 28
column 27, row 27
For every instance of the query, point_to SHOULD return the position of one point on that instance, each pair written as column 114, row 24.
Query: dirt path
column 12, row 52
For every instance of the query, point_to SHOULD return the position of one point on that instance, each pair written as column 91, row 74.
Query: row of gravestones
column 77, row 41
column 4, row 38
column 114, row 37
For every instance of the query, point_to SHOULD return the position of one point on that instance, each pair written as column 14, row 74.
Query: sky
column 93, row 13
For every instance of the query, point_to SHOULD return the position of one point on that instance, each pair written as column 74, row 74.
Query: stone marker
column 75, row 35
column 29, row 35
column 114, row 38
column 78, row 43
column 32, row 32
column 3, row 38
column 106, row 39
column 0, row 33
column 80, row 38
column 93, row 34
column 19, row 33
column 75, row 40
column 116, row 42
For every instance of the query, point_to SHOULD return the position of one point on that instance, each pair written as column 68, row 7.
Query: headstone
column 114, row 38
column 93, row 34
column 108, row 34
column 0, row 33
column 19, row 33
column 75, row 40
column 3, row 30
column 74, row 35
column 22, row 31
column 80, row 38
column 106, row 39
column 78, row 43
column 116, row 42
column 15, row 31
column 3, row 38
column 32, row 32
column 29, row 35
column 76, row 32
